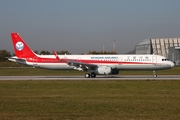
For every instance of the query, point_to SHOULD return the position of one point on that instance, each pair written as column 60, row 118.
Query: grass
column 36, row 72
column 11, row 64
column 90, row 100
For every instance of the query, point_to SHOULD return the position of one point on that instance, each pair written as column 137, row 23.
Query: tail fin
column 21, row 49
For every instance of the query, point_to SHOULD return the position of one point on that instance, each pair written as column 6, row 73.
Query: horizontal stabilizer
column 17, row 60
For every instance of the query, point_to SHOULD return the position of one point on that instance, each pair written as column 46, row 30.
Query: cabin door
column 154, row 59
column 35, row 59
column 78, row 59
column 120, row 61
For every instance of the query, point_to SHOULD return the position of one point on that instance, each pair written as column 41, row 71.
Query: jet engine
column 106, row 70
column 103, row 70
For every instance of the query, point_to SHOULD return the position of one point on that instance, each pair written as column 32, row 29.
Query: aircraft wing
column 81, row 66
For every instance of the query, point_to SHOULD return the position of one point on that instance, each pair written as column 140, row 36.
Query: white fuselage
column 121, row 62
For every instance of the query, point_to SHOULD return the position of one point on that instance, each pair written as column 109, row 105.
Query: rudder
column 21, row 49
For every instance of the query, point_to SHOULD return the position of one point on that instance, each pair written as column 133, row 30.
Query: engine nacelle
column 103, row 70
column 106, row 70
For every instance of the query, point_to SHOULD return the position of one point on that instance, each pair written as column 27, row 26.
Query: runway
column 106, row 77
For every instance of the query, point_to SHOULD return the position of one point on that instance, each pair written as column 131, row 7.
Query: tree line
column 4, row 54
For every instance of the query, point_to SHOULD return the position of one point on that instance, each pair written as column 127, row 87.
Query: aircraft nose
column 172, row 64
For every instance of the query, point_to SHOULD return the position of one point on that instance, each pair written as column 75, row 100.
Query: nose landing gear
column 154, row 74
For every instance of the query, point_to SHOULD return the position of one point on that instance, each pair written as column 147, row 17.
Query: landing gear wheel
column 154, row 74
column 93, row 75
column 87, row 75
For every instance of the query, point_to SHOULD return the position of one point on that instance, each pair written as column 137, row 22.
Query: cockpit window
column 165, row 59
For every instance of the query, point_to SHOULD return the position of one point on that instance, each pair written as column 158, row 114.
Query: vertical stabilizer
column 21, row 49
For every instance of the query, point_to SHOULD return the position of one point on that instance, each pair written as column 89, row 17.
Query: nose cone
column 172, row 64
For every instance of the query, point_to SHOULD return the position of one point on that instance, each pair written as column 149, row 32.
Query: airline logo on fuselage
column 19, row 46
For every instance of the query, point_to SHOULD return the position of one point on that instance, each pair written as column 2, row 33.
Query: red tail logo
column 21, row 49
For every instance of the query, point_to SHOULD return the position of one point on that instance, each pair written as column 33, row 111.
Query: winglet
column 57, row 57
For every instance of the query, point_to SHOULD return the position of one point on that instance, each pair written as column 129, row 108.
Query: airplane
column 92, row 64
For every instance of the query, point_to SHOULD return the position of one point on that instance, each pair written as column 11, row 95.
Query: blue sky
column 80, row 26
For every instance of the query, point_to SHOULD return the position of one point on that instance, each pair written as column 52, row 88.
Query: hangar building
column 167, row 47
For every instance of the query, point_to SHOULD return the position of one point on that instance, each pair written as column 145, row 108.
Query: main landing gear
column 154, row 74
column 92, row 75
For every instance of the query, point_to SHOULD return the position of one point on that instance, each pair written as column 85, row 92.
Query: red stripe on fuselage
column 54, row 60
